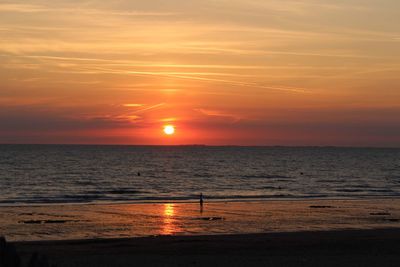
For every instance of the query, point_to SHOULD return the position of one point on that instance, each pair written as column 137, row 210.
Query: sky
column 223, row 72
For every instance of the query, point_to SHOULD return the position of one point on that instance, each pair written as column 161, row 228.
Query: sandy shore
column 66, row 222
column 260, row 233
column 325, row 248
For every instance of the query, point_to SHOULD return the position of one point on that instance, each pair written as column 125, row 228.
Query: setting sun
column 169, row 129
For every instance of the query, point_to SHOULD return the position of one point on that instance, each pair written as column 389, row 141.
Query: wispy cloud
column 133, row 105
column 147, row 108
column 218, row 113
column 30, row 8
column 23, row 8
column 168, row 119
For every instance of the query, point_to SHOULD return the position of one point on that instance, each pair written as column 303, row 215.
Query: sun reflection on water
column 169, row 210
column 169, row 223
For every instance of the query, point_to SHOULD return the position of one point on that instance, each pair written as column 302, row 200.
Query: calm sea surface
column 32, row 174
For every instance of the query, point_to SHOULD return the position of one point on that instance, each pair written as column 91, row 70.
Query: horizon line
column 204, row 145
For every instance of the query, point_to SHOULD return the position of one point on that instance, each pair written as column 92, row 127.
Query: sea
column 50, row 174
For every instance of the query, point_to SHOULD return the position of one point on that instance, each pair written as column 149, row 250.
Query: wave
column 79, row 199
column 266, row 176
column 119, row 191
column 80, row 174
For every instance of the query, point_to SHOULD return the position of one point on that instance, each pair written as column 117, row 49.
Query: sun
column 169, row 129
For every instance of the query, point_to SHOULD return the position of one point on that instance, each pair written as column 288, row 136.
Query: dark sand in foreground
column 325, row 248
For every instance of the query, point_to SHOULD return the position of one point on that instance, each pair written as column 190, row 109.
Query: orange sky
column 260, row 72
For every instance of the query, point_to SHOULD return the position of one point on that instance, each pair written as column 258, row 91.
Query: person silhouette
column 201, row 202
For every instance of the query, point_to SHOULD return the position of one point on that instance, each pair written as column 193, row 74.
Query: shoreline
column 377, row 247
column 194, row 201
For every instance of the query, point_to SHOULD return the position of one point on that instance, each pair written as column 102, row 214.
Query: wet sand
column 260, row 233
column 324, row 248
column 66, row 222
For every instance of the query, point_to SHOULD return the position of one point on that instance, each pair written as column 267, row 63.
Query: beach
column 88, row 221
column 323, row 248
column 253, row 233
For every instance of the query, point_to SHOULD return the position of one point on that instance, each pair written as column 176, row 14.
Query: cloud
column 123, row 120
column 30, row 8
column 23, row 8
column 132, row 105
column 151, row 107
column 218, row 113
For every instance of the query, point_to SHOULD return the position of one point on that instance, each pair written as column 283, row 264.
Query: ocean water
column 31, row 174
